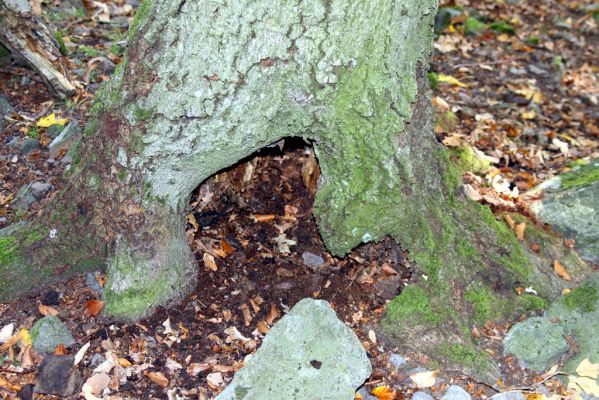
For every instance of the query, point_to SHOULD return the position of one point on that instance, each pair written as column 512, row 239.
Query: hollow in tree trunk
column 205, row 84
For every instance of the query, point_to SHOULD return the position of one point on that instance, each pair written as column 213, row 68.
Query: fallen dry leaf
column 262, row 327
column 209, row 262
column 47, row 310
column 273, row 314
column 561, row 271
column 98, row 382
column 215, row 380
column 520, row 228
column 384, row 393
column 263, row 217
column 424, row 379
column 81, row 353
column 93, row 308
column 588, row 369
column 509, row 220
column 158, row 378
column 60, row 350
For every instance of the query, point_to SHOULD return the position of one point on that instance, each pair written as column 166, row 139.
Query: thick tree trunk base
column 204, row 86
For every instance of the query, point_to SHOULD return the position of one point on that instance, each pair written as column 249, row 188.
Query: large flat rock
column 570, row 204
column 309, row 354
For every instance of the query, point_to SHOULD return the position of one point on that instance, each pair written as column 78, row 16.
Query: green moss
column 484, row 302
column 4, row 51
column 413, row 302
column 473, row 26
column 8, row 250
column 502, row 27
column 583, row 298
column 62, row 48
column 465, row 355
column 140, row 15
column 581, row 177
column 528, row 302
column 122, row 174
column 468, row 160
column 142, row 115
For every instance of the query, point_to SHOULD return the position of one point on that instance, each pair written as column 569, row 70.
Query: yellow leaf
column 384, row 393
column 451, row 80
column 50, row 120
column 588, row 369
column 588, row 385
column 24, row 337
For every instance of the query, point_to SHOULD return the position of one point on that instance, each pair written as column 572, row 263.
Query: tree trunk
column 27, row 37
column 205, row 84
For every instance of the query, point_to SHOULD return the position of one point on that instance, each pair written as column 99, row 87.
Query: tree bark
column 28, row 37
column 205, row 84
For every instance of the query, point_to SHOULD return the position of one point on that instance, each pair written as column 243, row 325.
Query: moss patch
column 581, row 177
column 484, row 302
column 465, row 355
column 583, row 298
column 413, row 301
column 8, row 249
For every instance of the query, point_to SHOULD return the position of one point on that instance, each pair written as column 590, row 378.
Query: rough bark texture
column 206, row 84
column 27, row 37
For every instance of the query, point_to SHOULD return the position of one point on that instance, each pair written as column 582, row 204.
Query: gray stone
column 570, row 204
column 397, row 361
column 455, row 392
column 536, row 70
column 29, row 145
column 421, row 396
column 579, row 316
column 536, row 343
column 92, row 282
column 309, row 350
column 509, row 396
column 65, row 139
column 58, row 376
column 96, row 360
column 39, row 189
column 517, row 71
column 49, row 332
column 14, row 142
column 24, row 197
column 5, row 109
column 54, row 130
column 312, row 260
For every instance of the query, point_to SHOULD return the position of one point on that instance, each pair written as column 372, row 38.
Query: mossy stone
column 536, row 343
column 49, row 332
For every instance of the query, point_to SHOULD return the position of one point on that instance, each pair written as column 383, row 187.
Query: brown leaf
column 388, row 270
column 247, row 315
column 227, row 248
column 263, row 327
column 47, row 310
column 520, row 228
column 93, row 308
column 6, row 384
column 209, row 262
column 509, row 220
column 273, row 314
column 158, row 378
column 255, row 303
column 263, row 217
column 60, row 350
column 561, row 271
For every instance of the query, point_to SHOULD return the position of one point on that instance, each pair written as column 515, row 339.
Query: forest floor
column 517, row 81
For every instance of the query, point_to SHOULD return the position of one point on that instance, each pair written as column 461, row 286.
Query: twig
column 474, row 64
